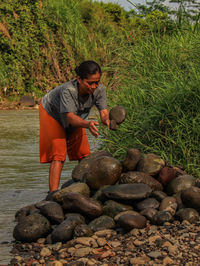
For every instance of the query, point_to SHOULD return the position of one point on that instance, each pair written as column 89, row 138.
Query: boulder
column 117, row 113
column 180, row 183
column 112, row 208
column 101, row 223
column 53, row 211
column 140, row 177
column 31, row 228
column 75, row 202
column 191, row 197
column 104, row 171
column 64, row 231
column 147, row 203
column 129, row 221
column 167, row 174
column 23, row 212
column 82, row 168
column 151, row 164
column 78, row 187
column 127, row 191
column 188, row 214
column 133, row 156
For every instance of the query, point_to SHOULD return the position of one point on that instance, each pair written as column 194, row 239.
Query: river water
column 23, row 180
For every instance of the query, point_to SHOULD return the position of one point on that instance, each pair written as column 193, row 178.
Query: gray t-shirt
column 66, row 98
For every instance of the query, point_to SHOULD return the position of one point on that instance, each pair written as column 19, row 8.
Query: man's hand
column 104, row 115
column 93, row 129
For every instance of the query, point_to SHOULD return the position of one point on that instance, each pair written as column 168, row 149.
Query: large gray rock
column 112, row 208
column 101, row 223
column 31, row 228
column 75, row 202
column 81, row 188
column 53, row 211
column 147, row 203
column 189, row 214
column 129, row 222
column 151, row 164
column 82, row 168
column 180, row 183
column 64, row 231
column 127, row 191
column 191, row 197
column 133, row 156
column 117, row 113
column 140, row 177
column 104, row 171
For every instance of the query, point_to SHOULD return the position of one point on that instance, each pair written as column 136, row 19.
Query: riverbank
column 171, row 244
column 15, row 105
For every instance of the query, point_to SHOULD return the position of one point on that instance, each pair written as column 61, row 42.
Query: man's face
column 89, row 84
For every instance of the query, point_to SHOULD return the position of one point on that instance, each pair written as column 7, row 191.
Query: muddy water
column 23, row 180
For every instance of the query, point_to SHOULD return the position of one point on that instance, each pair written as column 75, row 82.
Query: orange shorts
column 53, row 142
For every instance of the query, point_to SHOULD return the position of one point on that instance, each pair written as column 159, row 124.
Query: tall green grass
column 160, row 85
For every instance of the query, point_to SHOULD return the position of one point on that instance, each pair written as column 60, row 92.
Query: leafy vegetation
column 150, row 57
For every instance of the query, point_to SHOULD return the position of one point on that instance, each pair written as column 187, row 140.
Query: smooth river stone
column 64, row 231
column 83, row 166
column 180, row 183
column 81, row 188
column 82, row 230
column 169, row 204
column 112, row 208
column 148, row 203
column 161, row 217
column 129, row 221
column 53, row 211
column 117, row 113
column 131, row 212
column 189, row 214
column 133, row 156
column 151, row 164
column 191, row 197
column 104, row 171
column 101, row 223
column 127, row 191
column 140, row 177
column 31, row 228
column 76, row 202
column 149, row 213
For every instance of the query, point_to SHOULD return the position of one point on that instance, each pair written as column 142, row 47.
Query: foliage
column 41, row 41
column 159, row 89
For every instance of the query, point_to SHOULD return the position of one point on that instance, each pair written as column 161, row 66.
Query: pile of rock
column 105, row 193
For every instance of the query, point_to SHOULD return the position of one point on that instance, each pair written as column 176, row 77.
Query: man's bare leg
column 54, row 174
